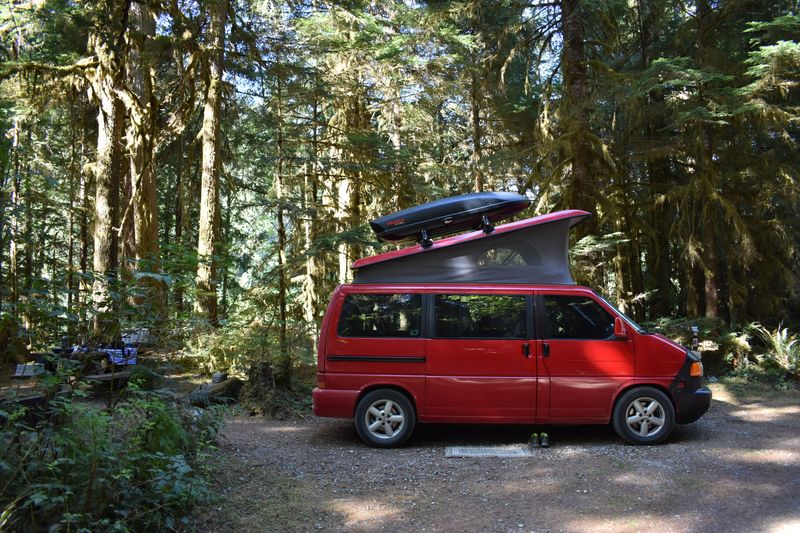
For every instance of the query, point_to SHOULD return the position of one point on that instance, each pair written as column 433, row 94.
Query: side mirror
column 620, row 331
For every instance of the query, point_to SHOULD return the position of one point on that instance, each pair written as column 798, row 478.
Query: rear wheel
column 385, row 418
column 644, row 415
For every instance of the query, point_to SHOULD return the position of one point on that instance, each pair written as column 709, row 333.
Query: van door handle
column 545, row 350
column 526, row 349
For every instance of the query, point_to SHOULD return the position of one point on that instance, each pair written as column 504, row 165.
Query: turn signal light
column 696, row 370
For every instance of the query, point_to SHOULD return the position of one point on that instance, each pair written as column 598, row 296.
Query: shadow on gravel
column 482, row 434
column 342, row 434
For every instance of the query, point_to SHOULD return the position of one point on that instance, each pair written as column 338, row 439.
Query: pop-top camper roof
column 533, row 250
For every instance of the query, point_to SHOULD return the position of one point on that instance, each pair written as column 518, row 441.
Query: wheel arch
column 377, row 386
column 630, row 386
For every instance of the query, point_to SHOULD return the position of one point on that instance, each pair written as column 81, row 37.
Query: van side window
column 477, row 316
column 380, row 315
column 576, row 317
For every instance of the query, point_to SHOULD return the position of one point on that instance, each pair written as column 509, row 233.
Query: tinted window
column 576, row 317
column 380, row 315
column 480, row 316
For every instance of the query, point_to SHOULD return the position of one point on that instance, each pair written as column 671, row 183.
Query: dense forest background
column 206, row 168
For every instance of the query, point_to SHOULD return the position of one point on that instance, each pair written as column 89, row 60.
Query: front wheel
column 644, row 415
column 385, row 418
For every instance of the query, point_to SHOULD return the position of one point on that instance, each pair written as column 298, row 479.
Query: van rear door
column 480, row 363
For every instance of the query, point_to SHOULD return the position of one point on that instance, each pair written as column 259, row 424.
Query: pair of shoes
column 544, row 440
column 533, row 441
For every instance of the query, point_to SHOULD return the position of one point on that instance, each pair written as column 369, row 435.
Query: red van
column 401, row 345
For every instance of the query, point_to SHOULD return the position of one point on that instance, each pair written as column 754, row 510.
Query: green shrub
column 736, row 349
column 136, row 468
column 782, row 353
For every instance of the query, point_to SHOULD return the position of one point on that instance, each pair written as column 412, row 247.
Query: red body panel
column 489, row 380
column 584, row 375
column 659, row 357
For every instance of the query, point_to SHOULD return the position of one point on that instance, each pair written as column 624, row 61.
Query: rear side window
column 576, row 317
column 380, row 315
column 476, row 316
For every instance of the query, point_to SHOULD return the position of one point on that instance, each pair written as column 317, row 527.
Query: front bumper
column 691, row 405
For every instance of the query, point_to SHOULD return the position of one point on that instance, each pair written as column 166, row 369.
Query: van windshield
column 626, row 318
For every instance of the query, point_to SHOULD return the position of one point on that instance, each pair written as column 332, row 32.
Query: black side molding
column 378, row 358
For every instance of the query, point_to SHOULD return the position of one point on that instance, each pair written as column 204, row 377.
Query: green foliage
column 782, row 349
column 137, row 468
column 233, row 348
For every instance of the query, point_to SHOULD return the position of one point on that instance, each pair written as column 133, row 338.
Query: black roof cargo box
column 449, row 215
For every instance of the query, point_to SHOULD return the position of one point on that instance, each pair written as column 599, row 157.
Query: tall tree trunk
column 179, row 218
column 27, row 239
column 475, row 101
column 83, row 286
column 711, row 270
column 575, row 112
column 109, row 167
column 127, row 232
column 310, row 207
column 706, row 170
column 5, row 174
column 13, row 258
column 107, row 83
column 658, row 172
column 283, row 376
column 74, row 177
column 141, row 145
column 206, row 298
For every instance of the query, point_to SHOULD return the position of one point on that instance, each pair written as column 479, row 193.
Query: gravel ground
column 736, row 469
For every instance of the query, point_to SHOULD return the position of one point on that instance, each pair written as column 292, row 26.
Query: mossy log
column 216, row 393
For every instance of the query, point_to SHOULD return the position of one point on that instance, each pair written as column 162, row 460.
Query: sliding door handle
column 526, row 349
column 545, row 350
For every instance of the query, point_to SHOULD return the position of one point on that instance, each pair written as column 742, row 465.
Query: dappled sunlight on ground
column 783, row 457
column 285, row 429
column 635, row 520
column 759, row 413
column 364, row 514
column 784, row 526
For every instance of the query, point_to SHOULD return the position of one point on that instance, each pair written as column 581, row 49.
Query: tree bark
column 206, row 282
column 83, row 286
column 575, row 112
column 127, row 232
column 283, row 376
column 711, row 270
column 13, row 259
column 107, row 84
column 27, row 239
column 179, row 218
column 141, row 145
column 310, row 208
column 74, row 178
column 706, row 169
column 477, row 155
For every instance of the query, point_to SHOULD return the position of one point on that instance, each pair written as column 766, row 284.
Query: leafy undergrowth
column 72, row 465
column 747, row 353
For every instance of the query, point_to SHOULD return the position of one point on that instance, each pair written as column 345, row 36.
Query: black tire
column 637, row 415
column 380, row 428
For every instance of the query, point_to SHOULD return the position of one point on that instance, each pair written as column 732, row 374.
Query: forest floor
column 736, row 469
